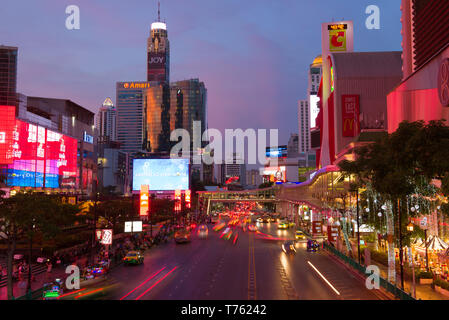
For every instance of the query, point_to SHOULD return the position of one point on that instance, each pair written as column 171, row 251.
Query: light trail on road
column 151, row 277
column 319, row 273
column 157, row 282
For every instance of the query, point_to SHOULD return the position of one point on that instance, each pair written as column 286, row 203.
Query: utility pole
column 94, row 239
column 358, row 225
column 401, row 259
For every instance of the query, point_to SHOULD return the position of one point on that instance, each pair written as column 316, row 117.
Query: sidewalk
column 41, row 279
column 423, row 291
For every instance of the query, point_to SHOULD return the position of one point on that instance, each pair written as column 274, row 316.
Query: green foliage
column 115, row 211
column 441, row 283
column 266, row 185
column 424, row 275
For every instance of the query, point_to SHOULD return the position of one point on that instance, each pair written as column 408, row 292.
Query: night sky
column 253, row 55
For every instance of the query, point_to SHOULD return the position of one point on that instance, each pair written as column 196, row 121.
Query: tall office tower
column 292, row 147
column 158, row 52
column 8, row 76
column 130, row 115
column 233, row 171
column 304, row 125
column 106, row 121
column 157, row 118
column 188, row 104
column 315, row 71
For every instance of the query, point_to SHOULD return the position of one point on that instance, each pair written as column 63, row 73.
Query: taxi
column 283, row 224
column 133, row 257
column 299, row 235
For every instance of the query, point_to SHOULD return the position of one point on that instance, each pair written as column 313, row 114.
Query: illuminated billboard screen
column 314, row 109
column 33, row 156
column 276, row 152
column 161, row 174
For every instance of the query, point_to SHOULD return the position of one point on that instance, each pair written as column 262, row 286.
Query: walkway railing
column 391, row 288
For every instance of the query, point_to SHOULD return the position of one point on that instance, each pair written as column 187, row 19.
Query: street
column 214, row 268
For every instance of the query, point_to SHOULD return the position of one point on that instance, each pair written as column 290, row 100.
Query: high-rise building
column 304, row 125
column 106, row 121
column 157, row 118
column 8, row 76
column 308, row 109
column 188, row 104
column 315, row 71
column 292, row 147
column 233, row 171
column 130, row 115
column 158, row 52
column 253, row 178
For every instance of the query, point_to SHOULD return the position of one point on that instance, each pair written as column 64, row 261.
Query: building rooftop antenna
column 159, row 11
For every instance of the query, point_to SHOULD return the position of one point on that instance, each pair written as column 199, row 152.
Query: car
column 182, row 237
column 299, row 235
column 312, row 245
column 52, row 290
column 133, row 257
column 291, row 224
column 289, row 247
column 283, row 224
column 203, row 231
column 252, row 228
column 219, row 226
column 227, row 233
column 260, row 220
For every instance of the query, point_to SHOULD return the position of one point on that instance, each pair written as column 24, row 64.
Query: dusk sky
column 252, row 55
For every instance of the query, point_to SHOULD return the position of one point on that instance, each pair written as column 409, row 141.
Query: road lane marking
column 70, row 293
column 251, row 271
column 319, row 273
column 87, row 293
column 165, row 276
column 155, row 274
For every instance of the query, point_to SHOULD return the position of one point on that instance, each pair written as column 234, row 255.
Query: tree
column 25, row 214
column 400, row 168
column 116, row 211
column 266, row 185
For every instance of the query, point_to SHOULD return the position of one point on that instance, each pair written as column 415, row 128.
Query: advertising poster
column 350, row 115
column 337, row 37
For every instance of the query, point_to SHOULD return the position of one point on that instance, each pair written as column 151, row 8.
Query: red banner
column 350, row 110
column 317, row 228
column 332, row 233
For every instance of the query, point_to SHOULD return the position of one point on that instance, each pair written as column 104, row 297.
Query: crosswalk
column 37, row 268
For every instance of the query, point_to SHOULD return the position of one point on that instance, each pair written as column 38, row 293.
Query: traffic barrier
column 389, row 287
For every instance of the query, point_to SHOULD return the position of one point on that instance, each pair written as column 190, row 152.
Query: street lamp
column 410, row 229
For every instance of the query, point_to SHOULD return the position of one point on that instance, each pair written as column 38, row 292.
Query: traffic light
column 177, row 200
column 187, row 198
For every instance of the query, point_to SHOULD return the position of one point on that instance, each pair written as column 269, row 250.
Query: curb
column 381, row 293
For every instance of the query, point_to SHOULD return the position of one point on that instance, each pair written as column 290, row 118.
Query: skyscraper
column 315, row 71
column 130, row 115
column 188, row 104
column 158, row 52
column 106, row 121
column 8, row 75
column 157, row 118
column 304, row 125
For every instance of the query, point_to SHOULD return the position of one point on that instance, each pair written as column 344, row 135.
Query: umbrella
column 435, row 243
column 418, row 242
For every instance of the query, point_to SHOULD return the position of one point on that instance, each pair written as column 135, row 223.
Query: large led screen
column 161, row 174
column 33, row 156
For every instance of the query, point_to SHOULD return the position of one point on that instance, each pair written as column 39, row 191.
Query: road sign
column 106, row 236
column 424, row 222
